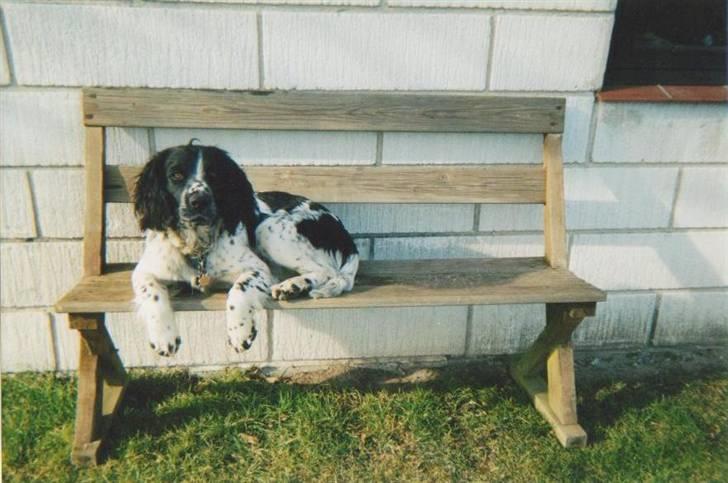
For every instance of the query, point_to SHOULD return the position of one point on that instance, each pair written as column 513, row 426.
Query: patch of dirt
column 591, row 365
column 649, row 362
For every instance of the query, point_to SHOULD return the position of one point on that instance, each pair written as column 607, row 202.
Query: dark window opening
column 668, row 42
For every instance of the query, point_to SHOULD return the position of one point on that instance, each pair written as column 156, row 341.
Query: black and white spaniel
column 203, row 221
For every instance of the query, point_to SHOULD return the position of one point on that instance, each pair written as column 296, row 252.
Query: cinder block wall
column 646, row 185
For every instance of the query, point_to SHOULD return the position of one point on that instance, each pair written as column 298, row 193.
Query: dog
column 203, row 221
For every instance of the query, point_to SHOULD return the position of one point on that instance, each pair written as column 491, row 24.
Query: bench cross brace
column 101, row 384
column 555, row 397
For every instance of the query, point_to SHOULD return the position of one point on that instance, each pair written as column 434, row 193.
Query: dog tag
column 204, row 281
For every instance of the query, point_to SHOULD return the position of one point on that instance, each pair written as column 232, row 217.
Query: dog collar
column 203, row 280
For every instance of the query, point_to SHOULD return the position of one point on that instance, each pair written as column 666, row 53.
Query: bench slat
column 379, row 284
column 93, row 229
column 319, row 111
column 377, row 184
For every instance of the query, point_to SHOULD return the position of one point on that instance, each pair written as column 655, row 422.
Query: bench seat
column 380, row 283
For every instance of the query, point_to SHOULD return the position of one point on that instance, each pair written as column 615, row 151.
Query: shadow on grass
column 164, row 401
column 601, row 405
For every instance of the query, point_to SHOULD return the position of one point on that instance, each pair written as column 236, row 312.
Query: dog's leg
column 154, row 307
column 320, row 282
column 245, row 307
column 317, row 247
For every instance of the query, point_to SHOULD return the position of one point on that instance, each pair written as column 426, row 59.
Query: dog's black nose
column 198, row 200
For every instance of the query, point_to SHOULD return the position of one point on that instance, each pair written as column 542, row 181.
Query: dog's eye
column 177, row 176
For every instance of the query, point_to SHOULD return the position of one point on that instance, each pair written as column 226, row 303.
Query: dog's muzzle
column 198, row 205
column 198, row 200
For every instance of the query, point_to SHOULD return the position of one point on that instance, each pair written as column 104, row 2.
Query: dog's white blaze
column 200, row 168
column 197, row 182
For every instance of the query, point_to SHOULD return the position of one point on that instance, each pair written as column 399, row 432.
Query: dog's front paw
column 241, row 338
column 164, row 339
column 238, row 341
column 241, row 330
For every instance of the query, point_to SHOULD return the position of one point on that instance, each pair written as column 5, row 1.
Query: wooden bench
column 107, row 288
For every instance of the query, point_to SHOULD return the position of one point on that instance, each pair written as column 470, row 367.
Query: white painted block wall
column 646, row 185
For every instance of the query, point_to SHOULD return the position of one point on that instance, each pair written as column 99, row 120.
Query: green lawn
column 463, row 425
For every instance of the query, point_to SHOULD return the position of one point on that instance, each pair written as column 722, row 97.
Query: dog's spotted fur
column 200, row 211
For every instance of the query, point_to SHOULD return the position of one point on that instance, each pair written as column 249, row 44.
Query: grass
column 463, row 425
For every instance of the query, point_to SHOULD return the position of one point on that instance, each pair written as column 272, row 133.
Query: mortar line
column 665, row 230
column 36, row 167
column 569, row 245
column 41, row 239
column 152, row 140
column 592, row 134
column 476, row 218
column 461, row 234
column 371, row 248
column 648, row 165
column 503, row 10
column 29, row 308
column 594, row 165
column 442, row 234
column 34, row 205
column 444, row 91
column 269, row 334
column 653, row 322
column 713, row 288
column 8, row 52
column 468, row 331
column 259, row 29
column 491, row 48
column 383, row 5
column 55, row 342
column 675, row 196
column 504, row 233
column 379, row 149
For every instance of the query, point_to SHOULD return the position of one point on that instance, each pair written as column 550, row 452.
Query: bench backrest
column 317, row 111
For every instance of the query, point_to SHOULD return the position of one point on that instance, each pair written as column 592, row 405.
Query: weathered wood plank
column 380, row 184
column 561, row 321
column 569, row 435
column 379, row 284
column 321, row 111
column 93, row 233
column 554, row 218
column 88, row 406
column 101, row 383
column 561, row 382
column 557, row 400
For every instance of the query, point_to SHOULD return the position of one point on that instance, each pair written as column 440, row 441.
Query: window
column 668, row 42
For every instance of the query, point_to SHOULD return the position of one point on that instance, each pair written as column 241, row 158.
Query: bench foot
column 555, row 397
column 101, row 384
column 86, row 455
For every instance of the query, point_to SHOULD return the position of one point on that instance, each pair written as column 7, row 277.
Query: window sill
column 660, row 93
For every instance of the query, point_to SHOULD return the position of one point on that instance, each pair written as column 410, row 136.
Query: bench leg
column 555, row 397
column 101, row 383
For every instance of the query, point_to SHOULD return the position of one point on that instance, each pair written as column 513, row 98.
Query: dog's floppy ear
column 234, row 195
column 153, row 204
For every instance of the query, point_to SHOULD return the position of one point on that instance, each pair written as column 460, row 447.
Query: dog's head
column 194, row 185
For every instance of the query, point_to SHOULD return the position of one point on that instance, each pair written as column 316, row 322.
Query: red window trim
column 660, row 93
